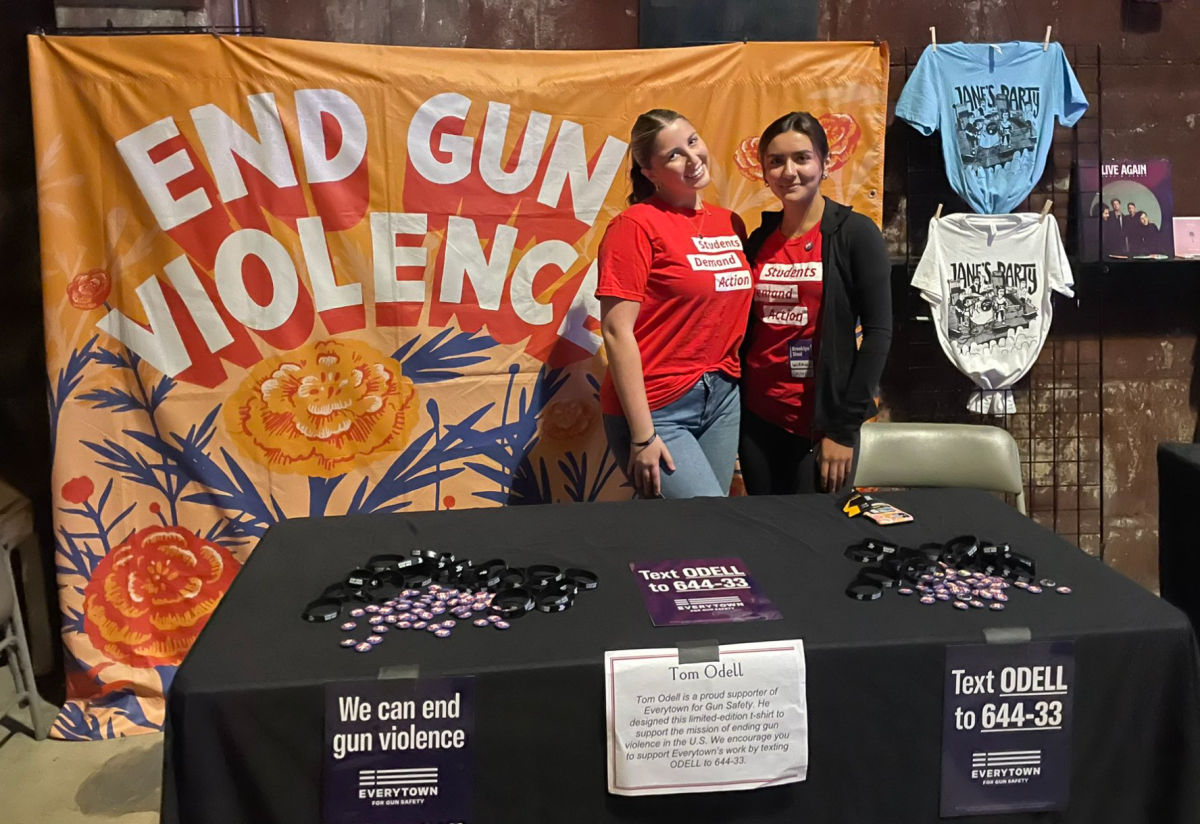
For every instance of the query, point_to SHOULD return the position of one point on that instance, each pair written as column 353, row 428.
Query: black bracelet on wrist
column 645, row 443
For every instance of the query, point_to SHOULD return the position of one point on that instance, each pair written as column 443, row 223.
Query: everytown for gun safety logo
column 1006, row 767
column 392, row 787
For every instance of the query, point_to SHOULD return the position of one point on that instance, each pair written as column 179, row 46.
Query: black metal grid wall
column 1058, row 422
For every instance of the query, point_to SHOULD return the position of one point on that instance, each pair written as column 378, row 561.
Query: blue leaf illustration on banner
column 443, row 357
column 72, row 619
column 513, row 441
column 528, row 487
column 576, row 472
column 319, row 490
column 167, row 675
column 133, row 467
column 120, row 400
column 114, row 399
column 228, row 488
column 69, row 378
column 126, row 705
column 106, row 357
column 103, row 530
column 160, row 392
column 233, row 492
column 415, row 468
column 76, row 557
column 231, row 533
column 73, row 724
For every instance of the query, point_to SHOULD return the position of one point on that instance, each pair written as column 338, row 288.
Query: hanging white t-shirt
column 988, row 280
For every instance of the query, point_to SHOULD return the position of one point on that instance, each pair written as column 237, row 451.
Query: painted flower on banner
column 323, row 409
column 88, row 290
column 746, row 158
column 843, row 133
column 150, row 596
column 568, row 420
column 78, row 490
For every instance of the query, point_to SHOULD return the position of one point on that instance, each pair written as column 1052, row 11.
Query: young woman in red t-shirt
column 675, row 292
column 820, row 269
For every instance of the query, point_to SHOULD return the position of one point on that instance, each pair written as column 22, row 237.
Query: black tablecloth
column 1178, row 547
column 245, row 714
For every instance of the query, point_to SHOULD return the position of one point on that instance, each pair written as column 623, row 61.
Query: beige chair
column 16, row 528
column 12, row 645
column 940, row 455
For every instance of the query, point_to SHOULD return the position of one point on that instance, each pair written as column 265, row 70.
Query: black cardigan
column 857, row 289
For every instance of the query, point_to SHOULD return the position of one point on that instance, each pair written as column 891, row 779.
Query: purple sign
column 399, row 751
column 708, row 591
column 1006, row 730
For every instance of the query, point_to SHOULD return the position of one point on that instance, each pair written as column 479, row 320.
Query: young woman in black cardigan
column 820, row 269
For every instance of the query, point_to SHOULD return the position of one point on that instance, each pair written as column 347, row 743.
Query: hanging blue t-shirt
column 995, row 107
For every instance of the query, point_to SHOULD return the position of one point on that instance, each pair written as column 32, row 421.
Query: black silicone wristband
column 512, row 603
column 360, row 578
column 864, row 591
column 511, row 578
column 878, row 576
column 582, row 578
column 542, row 575
column 322, row 610
column 555, row 606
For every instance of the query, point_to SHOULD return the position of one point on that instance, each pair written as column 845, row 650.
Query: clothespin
column 933, row 36
column 1046, row 42
column 213, row 31
column 938, row 214
column 1046, row 207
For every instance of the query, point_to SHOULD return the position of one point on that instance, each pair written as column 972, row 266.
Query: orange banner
column 290, row 279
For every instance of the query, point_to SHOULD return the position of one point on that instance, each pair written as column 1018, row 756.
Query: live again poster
column 1129, row 215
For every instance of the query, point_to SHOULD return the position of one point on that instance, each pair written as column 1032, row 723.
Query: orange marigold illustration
column 843, row 133
column 746, row 158
column 568, row 419
column 323, row 409
column 149, row 597
column 87, row 290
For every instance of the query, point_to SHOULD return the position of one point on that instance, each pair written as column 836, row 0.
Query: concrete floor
column 75, row 782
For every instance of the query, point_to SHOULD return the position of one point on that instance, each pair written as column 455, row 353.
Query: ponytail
column 643, row 189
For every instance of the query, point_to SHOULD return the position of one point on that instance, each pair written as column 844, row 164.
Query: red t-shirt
column 781, row 358
column 687, row 269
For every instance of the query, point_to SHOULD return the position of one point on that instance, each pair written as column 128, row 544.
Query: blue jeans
column 701, row 432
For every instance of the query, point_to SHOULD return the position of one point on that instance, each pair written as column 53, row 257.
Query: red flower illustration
column 87, row 290
column 746, row 158
column 843, row 133
column 150, row 597
column 78, row 490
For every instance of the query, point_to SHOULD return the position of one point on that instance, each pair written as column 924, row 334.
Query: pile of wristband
column 966, row 572
column 417, row 592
